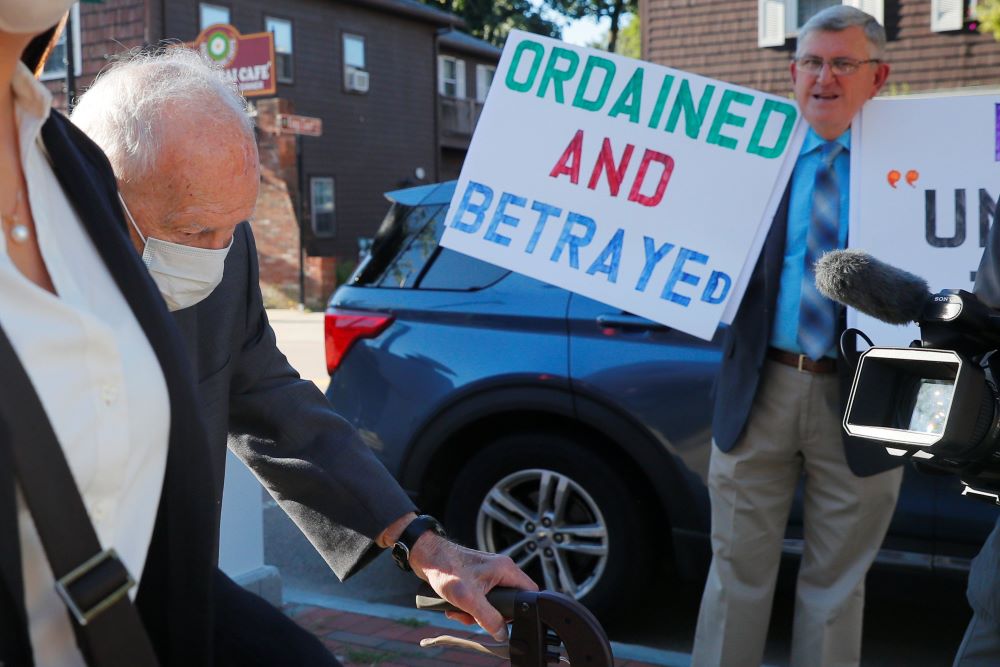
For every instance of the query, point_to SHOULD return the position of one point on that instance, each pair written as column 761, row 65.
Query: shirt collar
column 33, row 102
column 813, row 141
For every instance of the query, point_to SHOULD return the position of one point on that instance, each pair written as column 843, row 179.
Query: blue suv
column 566, row 433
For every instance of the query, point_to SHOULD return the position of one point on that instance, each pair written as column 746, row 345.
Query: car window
column 401, row 247
column 405, row 253
column 455, row 271
column 421, row 240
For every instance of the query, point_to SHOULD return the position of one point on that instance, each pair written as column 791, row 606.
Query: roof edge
column 466, row 43
column 416, row 10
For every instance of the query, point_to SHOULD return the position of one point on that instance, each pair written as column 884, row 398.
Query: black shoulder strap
column 92, row 582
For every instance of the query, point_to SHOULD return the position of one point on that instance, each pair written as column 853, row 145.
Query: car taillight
column 344, row 327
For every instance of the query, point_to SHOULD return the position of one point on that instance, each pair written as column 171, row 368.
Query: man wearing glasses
column 781, row 389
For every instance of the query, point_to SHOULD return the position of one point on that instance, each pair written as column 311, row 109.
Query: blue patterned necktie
column 817, row 314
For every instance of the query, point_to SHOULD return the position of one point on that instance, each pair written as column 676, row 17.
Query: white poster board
column 640, row 186
column 925, row 178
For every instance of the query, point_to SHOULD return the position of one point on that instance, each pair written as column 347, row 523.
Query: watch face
column 401, row 555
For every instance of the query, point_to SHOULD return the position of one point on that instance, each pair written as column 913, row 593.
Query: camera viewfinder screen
column 930, row 411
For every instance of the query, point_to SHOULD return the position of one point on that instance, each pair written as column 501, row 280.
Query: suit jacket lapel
column 174, row 595
column 774, row 252
column 13, row 618
column 89, row 199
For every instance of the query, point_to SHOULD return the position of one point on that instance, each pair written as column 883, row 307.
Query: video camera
column 936, row 401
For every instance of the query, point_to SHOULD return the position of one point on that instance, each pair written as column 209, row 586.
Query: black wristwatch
column 419, row 526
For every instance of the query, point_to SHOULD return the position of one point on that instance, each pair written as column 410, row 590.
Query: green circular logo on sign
column 219, row 47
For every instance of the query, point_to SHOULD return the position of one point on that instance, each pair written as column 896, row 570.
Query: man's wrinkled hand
column 464, row 576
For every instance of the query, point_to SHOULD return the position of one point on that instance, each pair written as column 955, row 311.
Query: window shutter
column 460, row 75
column 440, row 75
column 874, row 7
column 947, row 15
column 482, row 82
column 771, row 22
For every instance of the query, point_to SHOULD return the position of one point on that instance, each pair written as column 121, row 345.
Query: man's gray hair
column 842, row 17
column 122, row 110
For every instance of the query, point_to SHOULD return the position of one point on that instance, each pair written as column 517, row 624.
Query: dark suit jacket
column 282, row 427
column 984, row 576
column 175, row 594
column 745, row 348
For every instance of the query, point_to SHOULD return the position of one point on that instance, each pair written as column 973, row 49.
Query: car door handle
column 628, row 322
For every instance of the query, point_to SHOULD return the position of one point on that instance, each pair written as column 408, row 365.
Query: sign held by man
column 634, row 184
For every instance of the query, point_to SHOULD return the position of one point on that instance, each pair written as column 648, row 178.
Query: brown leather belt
column 802, row 362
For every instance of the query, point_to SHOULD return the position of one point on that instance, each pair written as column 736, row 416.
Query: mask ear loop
column 128, row 214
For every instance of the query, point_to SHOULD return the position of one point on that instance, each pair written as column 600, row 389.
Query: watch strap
column 413, row 531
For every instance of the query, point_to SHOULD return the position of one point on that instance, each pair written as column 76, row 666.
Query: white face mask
column 185, row 275
column 25, row 17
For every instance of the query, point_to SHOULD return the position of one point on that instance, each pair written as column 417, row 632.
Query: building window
column 809, row 8
column 948, row 15
column 451, row 77
column 484, row 79
column 354, row 51
column 778, row 20
column 321, row 207
column 211, row 15
column 282, row 31
column 55, row 66
column 355, row 72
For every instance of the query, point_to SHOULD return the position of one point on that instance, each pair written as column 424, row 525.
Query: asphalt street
column 912, row 619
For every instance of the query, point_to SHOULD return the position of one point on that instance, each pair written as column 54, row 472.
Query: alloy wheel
column 549, row 526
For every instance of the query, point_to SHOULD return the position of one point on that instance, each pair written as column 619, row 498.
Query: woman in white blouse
column 98, row 348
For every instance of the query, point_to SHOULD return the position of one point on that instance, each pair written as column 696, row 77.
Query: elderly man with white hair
column 182, row 147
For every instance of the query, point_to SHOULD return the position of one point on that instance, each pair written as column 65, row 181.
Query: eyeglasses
column 839, row 66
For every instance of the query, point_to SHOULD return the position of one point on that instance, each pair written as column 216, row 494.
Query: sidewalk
column 359, row 640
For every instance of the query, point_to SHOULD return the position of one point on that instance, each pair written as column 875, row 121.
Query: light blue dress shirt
column 784, row 334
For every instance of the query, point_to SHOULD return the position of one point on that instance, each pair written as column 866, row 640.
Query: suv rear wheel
column 562, row 512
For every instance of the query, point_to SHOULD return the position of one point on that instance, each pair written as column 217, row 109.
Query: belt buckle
column 802, row 358
column 85, row 616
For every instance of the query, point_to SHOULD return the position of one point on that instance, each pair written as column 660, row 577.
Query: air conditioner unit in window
column 356, row 80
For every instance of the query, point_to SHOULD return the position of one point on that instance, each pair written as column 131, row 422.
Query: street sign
column 288, row 123
column 247, row 59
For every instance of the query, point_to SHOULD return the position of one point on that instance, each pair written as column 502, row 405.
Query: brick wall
column 275, row 224
column 718, row 38
column 107, row 28
column 277, row 234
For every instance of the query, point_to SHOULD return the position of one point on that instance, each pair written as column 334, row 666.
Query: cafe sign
column 248, row 60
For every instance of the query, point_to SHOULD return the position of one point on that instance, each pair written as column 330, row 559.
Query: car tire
column 594, row 547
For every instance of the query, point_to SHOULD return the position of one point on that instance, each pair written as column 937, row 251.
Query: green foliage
column 988, row 14
column 369, row 658
column 895, row 88
column 411, row 622
column 630, row 38
column 344, row 269
column 615, row 10
column 492, row 21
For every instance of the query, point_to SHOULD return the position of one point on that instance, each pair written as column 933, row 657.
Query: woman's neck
column 11, row 47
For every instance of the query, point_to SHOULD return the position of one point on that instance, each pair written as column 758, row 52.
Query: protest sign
column 925, row 180
column 640, row 186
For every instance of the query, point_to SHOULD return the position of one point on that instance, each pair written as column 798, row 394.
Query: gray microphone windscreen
column 856, row 279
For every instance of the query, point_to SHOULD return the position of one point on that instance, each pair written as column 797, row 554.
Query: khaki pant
column 794, row 431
